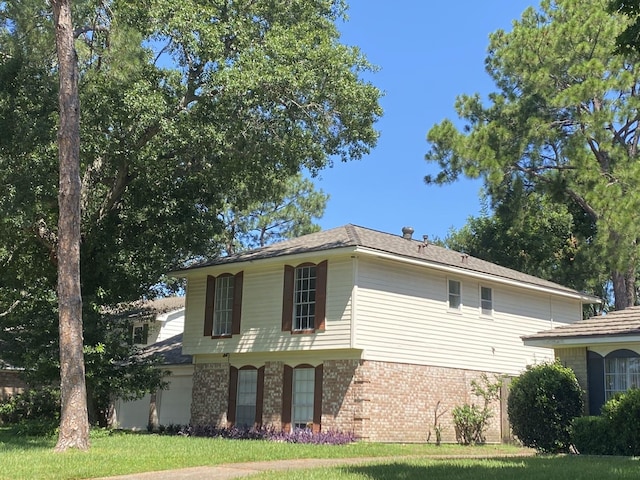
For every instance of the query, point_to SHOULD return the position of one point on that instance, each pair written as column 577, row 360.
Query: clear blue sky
column 428, row 52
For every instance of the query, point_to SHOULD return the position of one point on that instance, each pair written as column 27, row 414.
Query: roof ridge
column 352, row 233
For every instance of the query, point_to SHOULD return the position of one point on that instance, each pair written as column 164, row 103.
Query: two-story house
column 358, row 330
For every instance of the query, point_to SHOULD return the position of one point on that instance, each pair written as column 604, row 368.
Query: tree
column 74, row 422
column 186, row 105
column 288, row 213
column 564, row 122
column 531, row 233
column 629, row 39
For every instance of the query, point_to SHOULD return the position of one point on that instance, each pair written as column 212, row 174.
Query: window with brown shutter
column 223, row 305
column 304, row 297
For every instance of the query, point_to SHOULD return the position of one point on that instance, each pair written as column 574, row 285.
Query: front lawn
column 118, row 453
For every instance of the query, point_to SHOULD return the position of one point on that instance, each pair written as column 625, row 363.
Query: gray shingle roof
column 354, row 236
column 170, row 349
column 618, row 323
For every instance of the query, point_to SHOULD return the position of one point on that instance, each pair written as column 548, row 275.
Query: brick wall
column 210, row 394
column 378, row 401
column 10, row 383
column 576, row 360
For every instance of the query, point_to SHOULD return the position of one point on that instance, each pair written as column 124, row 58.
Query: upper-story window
column 455, row 296
column 304, row 297
column 223, row 305
column 140, row 334
column 486, row 301
column 304, row 303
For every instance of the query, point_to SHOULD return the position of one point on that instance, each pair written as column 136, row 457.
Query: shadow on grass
column 11, row 439
column 536, row 468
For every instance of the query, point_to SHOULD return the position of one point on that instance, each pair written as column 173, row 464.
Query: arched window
column 621, row 372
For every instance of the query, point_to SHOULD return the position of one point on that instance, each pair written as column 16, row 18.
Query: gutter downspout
column 354, row 301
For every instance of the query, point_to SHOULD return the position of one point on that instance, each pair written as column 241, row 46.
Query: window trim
column 457, row 308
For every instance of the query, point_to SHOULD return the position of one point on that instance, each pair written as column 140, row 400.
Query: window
column 304, row 297
column 303, row 395
column 486, row 301
column 246, row 399
column 621, row 374
column 455, row 300
column 223, row 305
column 141, row 334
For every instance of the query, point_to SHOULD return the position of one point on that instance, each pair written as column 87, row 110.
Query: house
column 11, row 382
column 603, row 351
column 157, row 327
column 358, row 330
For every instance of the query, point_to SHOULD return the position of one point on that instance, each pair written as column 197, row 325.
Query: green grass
column 533, row 468
column 118, row 453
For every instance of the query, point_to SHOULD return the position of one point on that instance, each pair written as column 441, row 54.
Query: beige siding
column 262, row 313
column 403, row 316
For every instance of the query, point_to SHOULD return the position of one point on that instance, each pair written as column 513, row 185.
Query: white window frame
column 486, row 304
column 246, row 397
column 620, row 374
column 304, row 298
column 302, row 397
column 223, row 306
column 452, row 294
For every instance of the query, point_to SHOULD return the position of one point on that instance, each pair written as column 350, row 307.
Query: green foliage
column 623, row 417
column 184, row 106
column 35, row 412
column 562, row 123
column 593, row 436
column 542, row 403
column 471, row 421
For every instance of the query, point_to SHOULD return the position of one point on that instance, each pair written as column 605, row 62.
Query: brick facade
column 378, row 401
column 576, row 359
column 10, row 383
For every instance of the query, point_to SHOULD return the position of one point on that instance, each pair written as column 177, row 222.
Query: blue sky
column 428, row 53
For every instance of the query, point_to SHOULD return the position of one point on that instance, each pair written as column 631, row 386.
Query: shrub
column 34, row 404
column 623, row 416
column 542, row 403
column 471, row 421
column 593, row 436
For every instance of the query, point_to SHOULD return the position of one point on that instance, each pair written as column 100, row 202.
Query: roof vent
column 407, row 232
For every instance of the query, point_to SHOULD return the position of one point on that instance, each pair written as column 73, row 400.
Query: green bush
column 623, row 415
column 593, row 436
column 470, row 422
column 33, row 404
column 542, row 403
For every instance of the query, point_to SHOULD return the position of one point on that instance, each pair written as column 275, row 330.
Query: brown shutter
column 208, row 309
column 287, row 393
column 233, row 394
column 259, row 397
column 236, row 313
column 287, row 299
column 321, row 295
column 317, row 399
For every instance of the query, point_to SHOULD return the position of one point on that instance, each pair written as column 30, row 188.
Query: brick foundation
column 378, row 401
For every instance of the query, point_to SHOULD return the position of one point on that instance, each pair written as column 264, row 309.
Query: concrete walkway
column 239, row 470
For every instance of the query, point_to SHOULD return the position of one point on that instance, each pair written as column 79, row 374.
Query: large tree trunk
column 74, row 423
column 624, row 288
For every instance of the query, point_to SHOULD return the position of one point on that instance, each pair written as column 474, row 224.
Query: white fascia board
column 479, row 275
column 580, row 341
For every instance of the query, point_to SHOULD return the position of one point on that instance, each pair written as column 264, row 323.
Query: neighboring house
column 158, row 324
column 11, row 382
column 358, row 330
column 603, row 351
